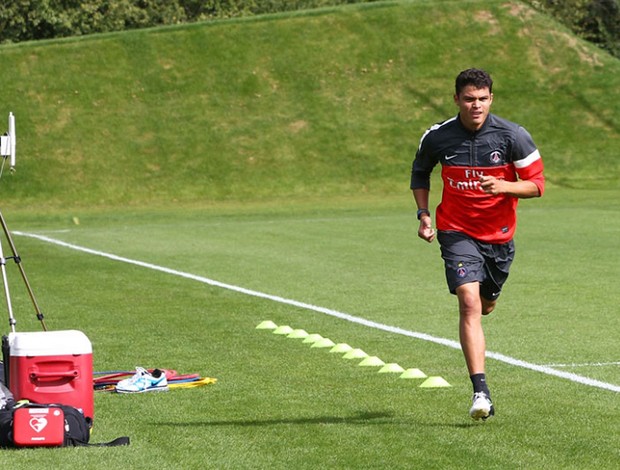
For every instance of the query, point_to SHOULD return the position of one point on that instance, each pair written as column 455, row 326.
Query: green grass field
column 227, row 173
column 279, row 403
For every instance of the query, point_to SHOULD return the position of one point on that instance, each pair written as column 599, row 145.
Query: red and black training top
column 499, row 148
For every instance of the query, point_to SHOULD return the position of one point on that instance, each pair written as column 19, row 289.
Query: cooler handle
column 47, row 375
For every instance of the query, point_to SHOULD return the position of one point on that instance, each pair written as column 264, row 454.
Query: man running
column 487, row 165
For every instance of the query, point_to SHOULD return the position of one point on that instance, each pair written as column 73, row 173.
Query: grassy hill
column 316, row 104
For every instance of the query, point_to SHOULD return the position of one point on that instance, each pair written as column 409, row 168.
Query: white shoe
column 482, row 407
column 142, row 381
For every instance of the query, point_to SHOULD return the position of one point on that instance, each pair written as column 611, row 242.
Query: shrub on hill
column 25, row 21
column 597, row 21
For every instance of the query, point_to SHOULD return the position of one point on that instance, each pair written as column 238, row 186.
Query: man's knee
column 471, row 302
column 469, row 299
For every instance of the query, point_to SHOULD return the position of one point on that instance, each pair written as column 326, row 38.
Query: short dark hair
column 476, row 77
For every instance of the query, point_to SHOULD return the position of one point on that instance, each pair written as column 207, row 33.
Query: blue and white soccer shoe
column 142, row 382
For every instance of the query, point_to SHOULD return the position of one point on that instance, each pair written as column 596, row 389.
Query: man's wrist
column 421, row 212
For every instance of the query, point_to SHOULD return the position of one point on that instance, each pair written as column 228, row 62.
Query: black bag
column 6, row 427
column 76, row 427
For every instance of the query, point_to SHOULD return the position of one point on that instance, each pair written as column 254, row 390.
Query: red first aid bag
column 41, row 426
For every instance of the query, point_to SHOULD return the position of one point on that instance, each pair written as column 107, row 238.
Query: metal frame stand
column 7, row 294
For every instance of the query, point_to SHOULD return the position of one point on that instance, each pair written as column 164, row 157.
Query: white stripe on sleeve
column 527, row 161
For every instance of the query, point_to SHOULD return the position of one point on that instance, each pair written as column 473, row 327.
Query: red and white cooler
column 52, row 367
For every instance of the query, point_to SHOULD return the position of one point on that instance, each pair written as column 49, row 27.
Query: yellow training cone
column 355, row 354
column 393, row 367
column 341, row 348
column 298, row 334
column 413, row 374
column 266, row 325
column 435, row 382
column 323, row 343
column 283, row 330
column 372, row 361
column 313, row 338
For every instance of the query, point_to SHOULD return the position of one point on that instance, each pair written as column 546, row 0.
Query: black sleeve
column 422, row 166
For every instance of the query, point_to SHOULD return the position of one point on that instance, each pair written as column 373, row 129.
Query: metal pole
column 7, row 294
column 17, row 259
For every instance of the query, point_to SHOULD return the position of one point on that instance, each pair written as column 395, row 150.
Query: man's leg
column 471, row 308
column 470, row 327
column 467, row 276
column 488, row 305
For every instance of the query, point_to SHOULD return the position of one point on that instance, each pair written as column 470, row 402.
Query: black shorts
column 467, row 260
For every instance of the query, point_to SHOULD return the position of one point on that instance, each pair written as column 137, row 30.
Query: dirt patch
column 519, row 10
column 298, row 126
column 486, row 17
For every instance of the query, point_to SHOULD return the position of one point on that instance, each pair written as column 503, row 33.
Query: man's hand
column 520, row 189
column 492, row 185
column 426, row 231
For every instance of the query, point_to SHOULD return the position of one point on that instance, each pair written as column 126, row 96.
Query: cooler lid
column 49, row 343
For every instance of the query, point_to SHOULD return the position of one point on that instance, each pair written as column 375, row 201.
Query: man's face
column 474, row 105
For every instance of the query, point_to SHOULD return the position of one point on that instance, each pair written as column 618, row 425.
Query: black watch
column 423, row 211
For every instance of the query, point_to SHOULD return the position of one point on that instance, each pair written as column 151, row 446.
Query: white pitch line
column 335, row 313
column 586, row 364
